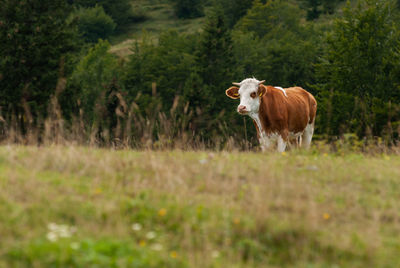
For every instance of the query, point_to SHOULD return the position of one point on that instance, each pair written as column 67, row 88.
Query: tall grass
column 118, row 123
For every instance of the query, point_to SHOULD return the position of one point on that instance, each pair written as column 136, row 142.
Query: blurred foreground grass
column 84, row 207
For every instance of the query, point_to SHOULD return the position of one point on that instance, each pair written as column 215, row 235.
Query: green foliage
column 167, row 64
column 233, row 10
column 120, row 11
column 93, row 23
column 34, row 42
column 273, row 18
column 317, row 7
column 215, row 65
column 93, row 81
column 106, row 252
column 275, row 47
column 188, row 9
column 362, row 60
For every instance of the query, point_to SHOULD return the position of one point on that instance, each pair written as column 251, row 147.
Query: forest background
column 64, row 76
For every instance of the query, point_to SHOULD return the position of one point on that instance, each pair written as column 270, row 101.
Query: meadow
column 71, row 206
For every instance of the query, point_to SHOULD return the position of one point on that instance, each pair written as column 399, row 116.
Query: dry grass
column 207, row 209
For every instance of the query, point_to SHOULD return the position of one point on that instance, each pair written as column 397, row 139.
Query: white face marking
column 248, row 93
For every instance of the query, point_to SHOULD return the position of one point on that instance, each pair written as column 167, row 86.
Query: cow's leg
column 307, row 135
column 265, row 143
column 281, row 144
column 283, row 138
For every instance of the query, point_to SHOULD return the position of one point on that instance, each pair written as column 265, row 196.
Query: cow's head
column 249, row 91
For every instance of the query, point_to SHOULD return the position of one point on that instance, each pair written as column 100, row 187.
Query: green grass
column 197, row 209
column 160, row 18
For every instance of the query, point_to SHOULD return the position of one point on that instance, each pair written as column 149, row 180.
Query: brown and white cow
column 278, row 114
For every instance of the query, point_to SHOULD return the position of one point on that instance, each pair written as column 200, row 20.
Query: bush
column 120, row 11
column 94, row 23
column 188, row 9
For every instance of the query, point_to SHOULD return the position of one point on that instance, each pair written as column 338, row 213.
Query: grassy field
column 85, row 207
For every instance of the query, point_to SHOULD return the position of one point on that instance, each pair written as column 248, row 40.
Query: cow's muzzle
column 242, row 109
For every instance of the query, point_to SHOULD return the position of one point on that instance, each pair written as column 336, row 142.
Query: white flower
column 203, row 161
column 157, row 247
column 52, row 226
column 215, row 254
column 56, row 231
column 52, row 236
column 136, row 227
column 150, row 235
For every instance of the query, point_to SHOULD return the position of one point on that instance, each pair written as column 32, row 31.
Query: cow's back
column 301, row 107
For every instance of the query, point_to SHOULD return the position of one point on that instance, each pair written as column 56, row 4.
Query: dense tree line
column 351, row 65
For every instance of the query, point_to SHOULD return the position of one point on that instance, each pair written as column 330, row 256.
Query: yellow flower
column 174, row 254
column 283, row 153
column 142, row 243
column 236, row 221
column 162, row 212
column 326, row 216
column 98, row 191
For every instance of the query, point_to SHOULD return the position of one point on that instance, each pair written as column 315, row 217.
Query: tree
column 93, row 23
column 273, row 18
column 215, row 66
column 233, row 10
column 93, row 76
column 188, row 9
column 270, row 43
column 120, row 11
column 317, row 7
column 34, row 42
column 362, row 61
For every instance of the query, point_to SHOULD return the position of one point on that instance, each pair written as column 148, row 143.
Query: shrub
column 188, row 9
column 94, row 23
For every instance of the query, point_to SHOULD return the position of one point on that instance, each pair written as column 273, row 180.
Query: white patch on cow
column 283, row 90
column 247, row 87
column 267, row 140
column 264, row 140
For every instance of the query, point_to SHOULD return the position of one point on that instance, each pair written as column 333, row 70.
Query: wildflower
column 203, row 161
column 162, row 212
column 215, row 254
column 98, row 191
column 142, row 243
column 150, row 235
column 283, row 153
column 136, row 227
column 173, row 254
column 57, row 231
column 157, row 247
column 74, row 245
column 326, row 216
column 52, row 236
column 236, row 221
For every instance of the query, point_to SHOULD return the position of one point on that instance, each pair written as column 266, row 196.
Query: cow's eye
column 253, row 95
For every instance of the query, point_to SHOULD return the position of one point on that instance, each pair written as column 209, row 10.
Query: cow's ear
column 261, row 90
column 232, row 92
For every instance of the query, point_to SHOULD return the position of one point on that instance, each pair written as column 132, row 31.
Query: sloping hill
column 159, row 17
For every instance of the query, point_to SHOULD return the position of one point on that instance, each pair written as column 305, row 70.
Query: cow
column 278, row 114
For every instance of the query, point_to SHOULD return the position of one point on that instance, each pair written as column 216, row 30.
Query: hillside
column 82, row 207
column 159, row 17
